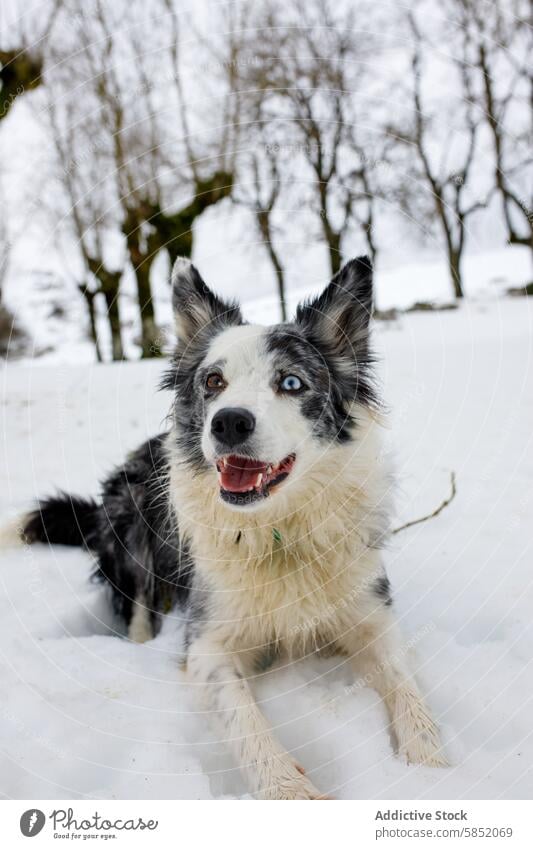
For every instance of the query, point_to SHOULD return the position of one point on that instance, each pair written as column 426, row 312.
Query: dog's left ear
column 337, row 320
column 196, row 308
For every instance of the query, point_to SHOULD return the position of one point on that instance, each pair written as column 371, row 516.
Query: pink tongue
column 240, row 474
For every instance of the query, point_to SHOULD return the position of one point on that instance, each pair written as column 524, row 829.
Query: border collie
column 262, row 511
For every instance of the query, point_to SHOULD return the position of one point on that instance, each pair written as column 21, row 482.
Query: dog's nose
column 232, row 425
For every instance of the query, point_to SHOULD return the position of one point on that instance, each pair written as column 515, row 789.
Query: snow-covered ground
column 83, row 712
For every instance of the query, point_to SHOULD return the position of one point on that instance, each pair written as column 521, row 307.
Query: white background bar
column 270, row 825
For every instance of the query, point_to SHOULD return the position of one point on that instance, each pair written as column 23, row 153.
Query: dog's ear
column 196, row 307
column 337, row 320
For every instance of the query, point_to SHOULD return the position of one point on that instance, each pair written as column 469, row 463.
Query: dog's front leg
column 271, row 772
column 379, row 656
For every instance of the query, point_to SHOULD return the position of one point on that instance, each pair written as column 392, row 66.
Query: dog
column 263, row 512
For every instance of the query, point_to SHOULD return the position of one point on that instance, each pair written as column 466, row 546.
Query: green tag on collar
column 276, row 535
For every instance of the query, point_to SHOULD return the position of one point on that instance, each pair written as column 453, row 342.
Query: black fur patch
column 324, row 401
column 62, row 520
column 336, row 324
column 328, row 345
column 132, row 533
column 382, row 589
column 139, row 549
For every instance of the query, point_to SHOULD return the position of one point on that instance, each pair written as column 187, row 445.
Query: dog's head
column 258, row 407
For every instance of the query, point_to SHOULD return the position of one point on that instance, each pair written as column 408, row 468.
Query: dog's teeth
column 259, row 480
column 269, row 470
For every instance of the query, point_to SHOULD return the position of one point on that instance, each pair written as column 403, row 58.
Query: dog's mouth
column 244, row 481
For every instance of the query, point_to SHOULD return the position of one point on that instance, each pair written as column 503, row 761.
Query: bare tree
column 310, row 77
column 140, row 148
column 23, row 44
column 500, row 40
column 260, row 194
column 124, row 84
column 79, row 168
column 444, row 169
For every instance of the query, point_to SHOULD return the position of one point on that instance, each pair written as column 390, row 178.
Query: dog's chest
column 292, row 596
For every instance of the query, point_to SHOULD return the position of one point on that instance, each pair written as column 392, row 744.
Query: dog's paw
column 418, row 736
column 425, row 748
column 294, row 792
column 293, row 788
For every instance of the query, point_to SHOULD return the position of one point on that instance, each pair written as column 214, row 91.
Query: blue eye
column 291, row 383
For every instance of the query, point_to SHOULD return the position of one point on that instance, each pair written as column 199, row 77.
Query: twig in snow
column 436, row 512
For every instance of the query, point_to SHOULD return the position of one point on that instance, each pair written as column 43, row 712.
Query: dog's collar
column 276, row 536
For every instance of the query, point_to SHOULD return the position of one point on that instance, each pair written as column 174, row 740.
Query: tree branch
column 435, row 512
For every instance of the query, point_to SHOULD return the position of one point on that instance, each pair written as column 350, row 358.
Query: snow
column 84, row 713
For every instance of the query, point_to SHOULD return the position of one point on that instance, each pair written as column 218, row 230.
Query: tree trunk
column 89, row 300
column 333, row 242
column 141, row 257
column 175, row 230
column 373, row 251
column 280, row 277
column 335, row 257
column 369, row 232
column 331, row 236
column 150, row 346
column 109, row 286
column 113, row 317
column 454, row 244
column 454, row 265
column 263, row 219
column 109, row 283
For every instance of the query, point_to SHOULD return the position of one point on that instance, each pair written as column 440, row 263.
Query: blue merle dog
column 262, row 512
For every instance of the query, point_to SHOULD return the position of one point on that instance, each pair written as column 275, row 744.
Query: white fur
column 140, row 628
column 11, row 533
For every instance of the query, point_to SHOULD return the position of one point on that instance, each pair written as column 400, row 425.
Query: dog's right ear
column 196, row 308
column 337, row 320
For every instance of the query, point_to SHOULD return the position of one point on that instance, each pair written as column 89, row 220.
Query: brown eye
column 214, row 381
